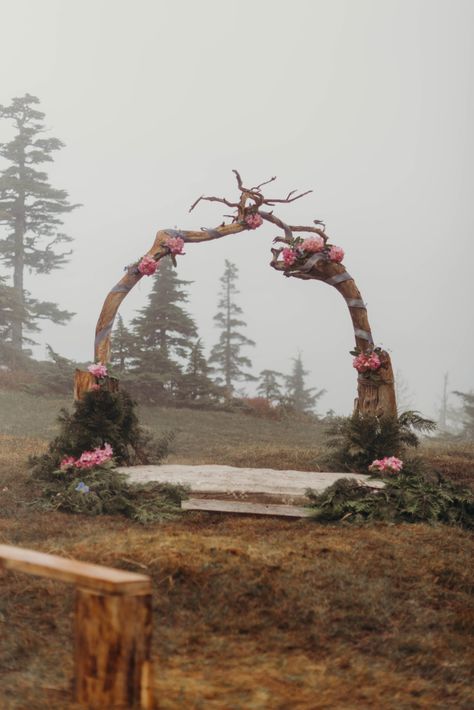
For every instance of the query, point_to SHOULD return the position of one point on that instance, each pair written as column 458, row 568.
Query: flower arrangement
column 99, row 370
column 88, row 459
column 289, row 256
column 253, row 221
column 312, row 245
column 367, row 362
column 175, row 245
column 389, row 464
column 300, row 249
column 147, row 266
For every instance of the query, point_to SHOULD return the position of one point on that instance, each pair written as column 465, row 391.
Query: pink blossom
column 67, row 462
column 336, row 254
column 313, row 244
column 289, row 256
column 89, row 459
column 175, row 245
column 253, row 221
column 364, row 363
column 147, row 266
column 389, row 464
column 99, row 370
column 108, row 451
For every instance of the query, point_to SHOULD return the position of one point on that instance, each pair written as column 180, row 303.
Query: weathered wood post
column 113, row 627
column 113, row 650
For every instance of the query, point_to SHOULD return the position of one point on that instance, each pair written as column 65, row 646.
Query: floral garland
column 299, row 249
column 148, row 265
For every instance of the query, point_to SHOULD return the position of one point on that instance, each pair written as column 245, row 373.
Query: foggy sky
column 367, row 102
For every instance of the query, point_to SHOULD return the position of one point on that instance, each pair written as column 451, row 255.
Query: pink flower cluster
column 175, row 245
column 147, row 266
column 336, row 254
column 288, row 256
column 88, row 459
column 389, row 464
column 313, row 245
column 253, row 221
column 99, row 370
column 365, row 363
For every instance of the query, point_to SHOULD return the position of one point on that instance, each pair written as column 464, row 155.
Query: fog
column 368, row 103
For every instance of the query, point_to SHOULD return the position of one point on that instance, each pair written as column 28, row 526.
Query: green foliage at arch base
column 103, row 417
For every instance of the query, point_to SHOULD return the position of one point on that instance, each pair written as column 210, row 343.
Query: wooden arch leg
column 113, row 650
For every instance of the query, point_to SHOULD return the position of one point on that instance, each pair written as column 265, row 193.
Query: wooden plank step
column 83, row 574
column 227, row 506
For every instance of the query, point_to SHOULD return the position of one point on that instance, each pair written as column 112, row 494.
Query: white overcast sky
column 367, row 102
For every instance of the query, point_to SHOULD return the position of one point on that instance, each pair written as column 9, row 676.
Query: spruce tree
column 163, row 330
column 11, row 311
column 298, row 396
column 226, row 354
column 123, row 347
column 269, row 385
column 30, row 212
column 467, row 413
column 195, row 385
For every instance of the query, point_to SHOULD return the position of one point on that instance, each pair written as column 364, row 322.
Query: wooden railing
column 113, row 626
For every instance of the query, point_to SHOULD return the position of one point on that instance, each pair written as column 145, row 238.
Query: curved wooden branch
column 132, row 276
column 374, row 397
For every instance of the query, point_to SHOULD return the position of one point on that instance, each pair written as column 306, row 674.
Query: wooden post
column 113, row 626
column 113, row 650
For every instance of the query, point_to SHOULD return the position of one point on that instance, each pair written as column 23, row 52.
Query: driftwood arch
column 375, row 392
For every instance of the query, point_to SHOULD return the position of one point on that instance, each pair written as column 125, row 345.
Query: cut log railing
column 113, row 627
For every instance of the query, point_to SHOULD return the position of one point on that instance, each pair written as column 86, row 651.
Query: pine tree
column 269, row 385
column 196, row 385
column 298, row 396
column 11, row 311
column 467, row 412
column 123, row 346
column 30, row 211
column 163, row 329
column 226, row 354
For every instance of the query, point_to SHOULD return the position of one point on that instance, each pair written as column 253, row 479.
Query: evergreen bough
column 406, row 498
column 105, row 417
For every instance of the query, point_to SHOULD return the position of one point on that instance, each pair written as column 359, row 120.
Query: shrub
column 357, row 440
column 99, row 418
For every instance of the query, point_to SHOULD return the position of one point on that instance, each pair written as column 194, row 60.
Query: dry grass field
column 249, row 613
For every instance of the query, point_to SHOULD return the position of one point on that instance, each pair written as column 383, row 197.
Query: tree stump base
column 85, row 382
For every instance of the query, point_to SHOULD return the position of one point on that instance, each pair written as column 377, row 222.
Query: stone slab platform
column 262, row 485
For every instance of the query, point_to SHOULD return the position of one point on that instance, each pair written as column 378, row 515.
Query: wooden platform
column 258, row 491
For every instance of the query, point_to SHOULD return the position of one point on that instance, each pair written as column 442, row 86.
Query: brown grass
column 249, row 613
column 252, row 613
column 453, row 459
